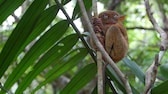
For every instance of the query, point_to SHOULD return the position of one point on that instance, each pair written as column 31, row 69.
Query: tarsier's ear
column 122, row 18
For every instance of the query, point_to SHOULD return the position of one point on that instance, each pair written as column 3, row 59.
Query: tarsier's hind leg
column 115, row 43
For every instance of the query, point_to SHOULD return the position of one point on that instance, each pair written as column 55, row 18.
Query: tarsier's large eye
column 115, row 16
column 105, row 16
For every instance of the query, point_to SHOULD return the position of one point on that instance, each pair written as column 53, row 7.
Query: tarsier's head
column 110, row 17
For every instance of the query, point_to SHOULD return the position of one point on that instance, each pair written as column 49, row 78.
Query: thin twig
column 163, row 35
column 94, row 7
column 144, row 28
column 151, row 72
column 101, row 49
column 77, row 31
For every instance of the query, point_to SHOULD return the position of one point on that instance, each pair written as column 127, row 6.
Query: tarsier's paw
column 98, row 29
column 97, row 24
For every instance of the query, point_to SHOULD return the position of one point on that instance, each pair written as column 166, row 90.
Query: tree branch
column 150, row 75
column 151, row 72
column 101, row 49
column 100, row 76
column 113, row 4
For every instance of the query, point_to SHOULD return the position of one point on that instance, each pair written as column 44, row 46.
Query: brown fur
column 114, row 40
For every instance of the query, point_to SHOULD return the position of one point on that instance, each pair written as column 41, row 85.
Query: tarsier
column 111, row 34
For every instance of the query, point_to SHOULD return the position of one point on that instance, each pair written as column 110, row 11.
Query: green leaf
column 113, row 76
column 43, row 44
column 54, row 54
column 45, row 19
column 20, row 34
column 77, row 12
column 161, row 89
column 65, row 65
column 135, row 69
column 7, row 7
column 80, row 79
column 164, row 70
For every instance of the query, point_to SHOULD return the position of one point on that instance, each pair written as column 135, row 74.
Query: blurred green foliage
column 40, row 46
